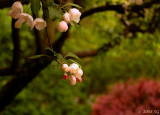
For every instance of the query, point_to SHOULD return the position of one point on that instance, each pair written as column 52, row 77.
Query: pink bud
column 65, row 68
column 65, row 76
column 66, row 17
column 79, row 73
column 73, row 68
column 72, row 80
column 79, row 79
column 62, row 27
column 74, row 15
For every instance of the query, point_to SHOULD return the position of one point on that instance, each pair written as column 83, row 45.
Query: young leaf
column 35, row 6
column 55, row 63
column 72, row 61
column 38, row 56
column 60, row 56
column 55, row 53
column 70, row 4
column 72, row 56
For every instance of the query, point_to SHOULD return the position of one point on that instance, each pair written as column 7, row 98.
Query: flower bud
column 65, row 76
column 73, row 68
column 62, row 27
column 66, row 17
column 79, row 73
column 72, row 80
column 39, row 24
column 74, row 15
column 79, row 79
column 65, row 68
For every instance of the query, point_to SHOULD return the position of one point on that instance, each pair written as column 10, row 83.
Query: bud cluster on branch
column 73, row 16
column 75, row 73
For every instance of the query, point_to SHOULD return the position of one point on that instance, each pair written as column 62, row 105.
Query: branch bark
column 22, row 77
column 16, row 44
column 16, row 53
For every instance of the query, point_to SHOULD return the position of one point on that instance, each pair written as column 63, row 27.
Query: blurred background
column 121, row 79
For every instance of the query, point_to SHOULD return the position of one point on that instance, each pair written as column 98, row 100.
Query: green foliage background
column 136, row 56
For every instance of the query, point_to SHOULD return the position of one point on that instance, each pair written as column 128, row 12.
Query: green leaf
column 55, row 63
column 55, row 53
column 70, row 4
column 72, row 56
column 60, row 56
column 38, row 56
column 50, row 2
column 35, row 6
column 78, row 27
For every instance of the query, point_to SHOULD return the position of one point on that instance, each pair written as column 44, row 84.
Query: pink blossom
column 73, row 68
column 17, row 9
column 74, row 15
column 40, row 23
column 65, row 68
column 79, row 73
column 72, row 80
column 66, row 17
column 62, row 27
column 22, row 18
column 17, row 6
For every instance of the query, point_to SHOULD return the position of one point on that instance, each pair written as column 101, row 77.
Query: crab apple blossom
column 66, row 17
column 65, row 76
column 22, row 18
column 73, row 68
column 74, row 15
column 17, row 6
column 30, row 21
column 72, row 80
column 62, row 27
column 65, row 68
column 17, row 9
column 18, row 23
column 79, row 79
column 14, row 14
column 79, row 73
column 39, row 24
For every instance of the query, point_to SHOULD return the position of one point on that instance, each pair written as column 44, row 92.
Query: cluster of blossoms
column 74, row 71
column 127, row 99
column 17, row 13
column 73, row 15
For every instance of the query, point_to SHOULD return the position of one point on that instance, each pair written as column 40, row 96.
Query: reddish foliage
column 127, row 99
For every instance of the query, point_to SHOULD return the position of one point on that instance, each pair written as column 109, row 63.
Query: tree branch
column 16, row 44
column 6, row 3
column 107, row 7
column 16, row 53
column 22, row 77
